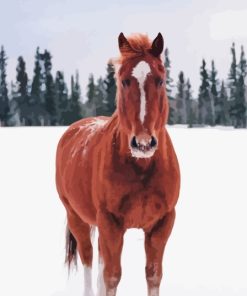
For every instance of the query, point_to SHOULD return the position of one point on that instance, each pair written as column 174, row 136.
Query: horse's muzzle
column 143, row 147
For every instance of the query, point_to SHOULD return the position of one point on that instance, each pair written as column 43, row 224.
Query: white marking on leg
column 112, row 292
column 100, row 282
column 92, row 233
column 140, row 72
column 88, row 289
column 153, row 292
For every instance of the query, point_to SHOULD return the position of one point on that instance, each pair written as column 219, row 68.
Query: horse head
column 142, row 103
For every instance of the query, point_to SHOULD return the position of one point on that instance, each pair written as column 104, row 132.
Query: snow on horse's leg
column 100, row 281
column 88, row 290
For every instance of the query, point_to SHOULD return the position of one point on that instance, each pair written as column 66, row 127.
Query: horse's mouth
column 142, row 151
column 143, row 148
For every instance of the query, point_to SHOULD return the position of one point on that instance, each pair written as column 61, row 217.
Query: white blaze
column 140, row 72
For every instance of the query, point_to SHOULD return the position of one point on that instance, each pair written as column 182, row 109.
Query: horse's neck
column 118, row 139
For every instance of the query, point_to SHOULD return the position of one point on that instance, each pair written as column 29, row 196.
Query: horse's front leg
column 110, row 248
column 155, row 241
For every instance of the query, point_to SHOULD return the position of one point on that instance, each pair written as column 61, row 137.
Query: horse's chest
column 140, row 210
column 137, row 198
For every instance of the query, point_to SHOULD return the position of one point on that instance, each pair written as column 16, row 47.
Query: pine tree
column 76, row 111
column 237, row 108
column 4, row 100
column 91, row 89
column 36, row 113
column 180, row 100
column 49, row 94
column 14, row 106
column 214, row 92
column 240, row 105
column 169, row 80
column 191, row 116
column 100, row 95
column 222, row 111
column 205, row 112
column 169, row 86
column 61, row 99
column 233, row 70
column 110, row 86
column 37, row 80
column 22, row 77
column 21, row 96
column 89, row 106
column 232, row 84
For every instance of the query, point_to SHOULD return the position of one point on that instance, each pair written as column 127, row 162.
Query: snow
column 92, row 126
column 95, row 123
column 205, row 255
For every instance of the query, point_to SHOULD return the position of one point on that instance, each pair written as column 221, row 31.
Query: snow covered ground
column 207, row 251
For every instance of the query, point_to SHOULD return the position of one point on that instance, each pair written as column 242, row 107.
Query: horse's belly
column 142, row 210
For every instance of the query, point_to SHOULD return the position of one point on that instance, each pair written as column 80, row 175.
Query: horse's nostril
column 153, row 142
column 133, row 143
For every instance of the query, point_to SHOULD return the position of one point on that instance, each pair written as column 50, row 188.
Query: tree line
column 219, row 102
column 45, row 100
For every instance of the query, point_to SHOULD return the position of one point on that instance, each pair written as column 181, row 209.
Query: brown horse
column 122, row 172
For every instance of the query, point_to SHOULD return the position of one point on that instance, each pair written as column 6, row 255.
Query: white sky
column 84, row 35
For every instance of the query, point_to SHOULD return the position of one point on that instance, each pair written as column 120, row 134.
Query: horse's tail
column 71, row 249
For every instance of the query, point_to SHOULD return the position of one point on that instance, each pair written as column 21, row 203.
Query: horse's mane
column 139, row 43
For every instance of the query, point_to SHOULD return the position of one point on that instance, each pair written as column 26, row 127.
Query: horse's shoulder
column 85, row 127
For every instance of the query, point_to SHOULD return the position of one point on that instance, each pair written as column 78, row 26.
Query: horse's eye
column 159, row 82
column 126, row 82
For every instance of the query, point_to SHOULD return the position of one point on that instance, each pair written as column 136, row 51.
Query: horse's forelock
column 139, row 45
column 139, row 42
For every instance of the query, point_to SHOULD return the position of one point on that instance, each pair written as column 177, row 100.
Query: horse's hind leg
column 81, row 232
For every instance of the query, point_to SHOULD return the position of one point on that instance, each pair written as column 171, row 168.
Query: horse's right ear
column 123, row 44
column 157, row 46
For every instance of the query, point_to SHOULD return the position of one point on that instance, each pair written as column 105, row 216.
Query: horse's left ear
column 123, row 44
column 157, row 45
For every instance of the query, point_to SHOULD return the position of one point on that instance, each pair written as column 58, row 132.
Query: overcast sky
column 83, row 34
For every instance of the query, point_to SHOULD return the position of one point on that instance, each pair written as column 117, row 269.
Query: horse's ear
column 123, row 44
column 157, row 45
